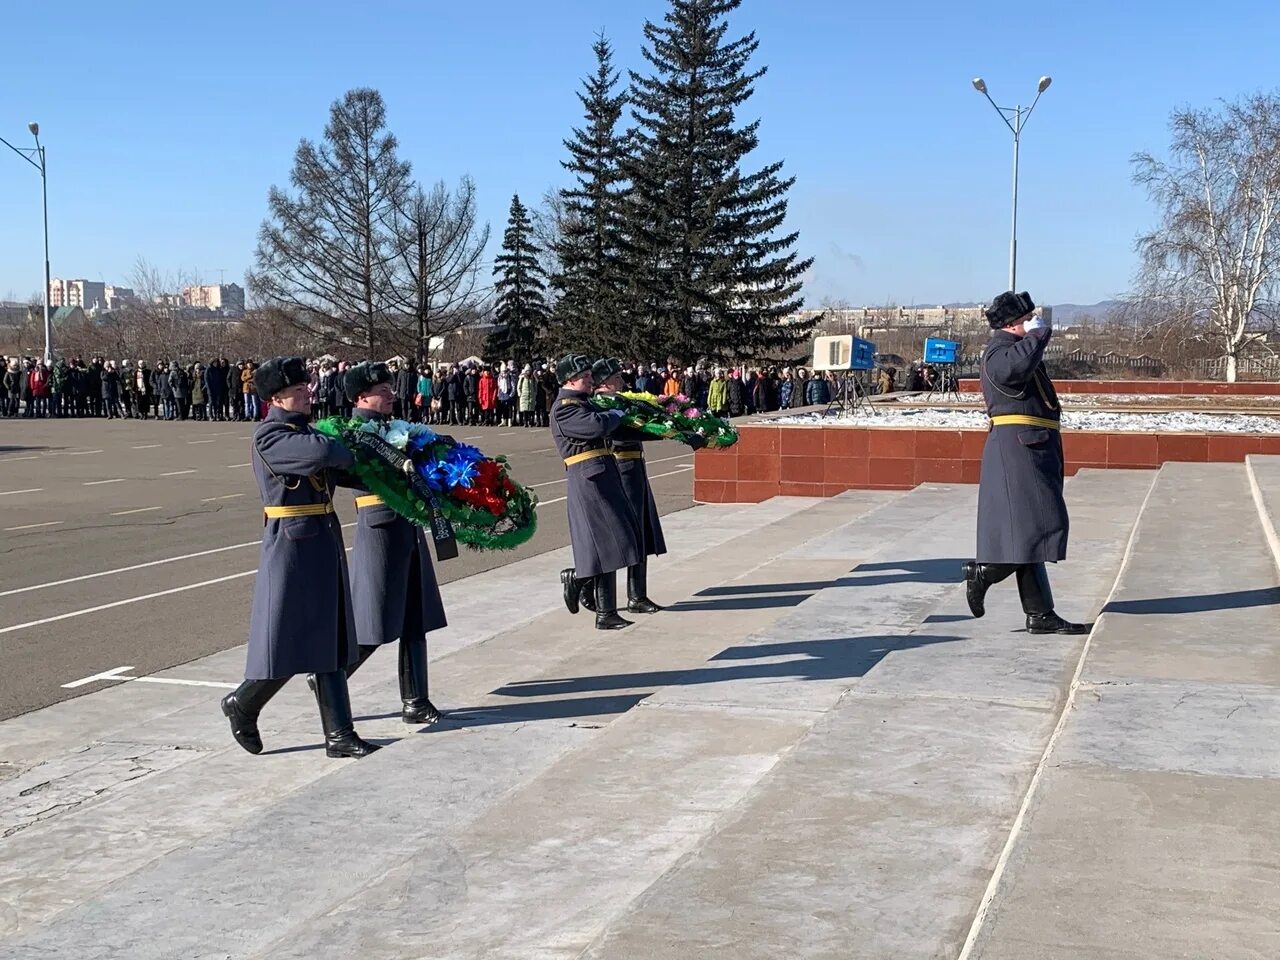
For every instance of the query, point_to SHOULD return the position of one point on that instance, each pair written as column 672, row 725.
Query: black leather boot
column 340, row 739
column 587, row 594
column 638, row 589
column 417, row 707
column 607, row 603
column 570, row 584
column 242, row 707
column 979, row 578
column 1037, row 603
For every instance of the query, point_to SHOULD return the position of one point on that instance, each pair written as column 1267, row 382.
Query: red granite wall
column 821, row 461
column 1160, row 387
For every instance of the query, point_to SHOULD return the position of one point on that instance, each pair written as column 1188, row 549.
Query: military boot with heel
column 417, row 708
column 1037, row 603
column 638, row 590
column 242, row 707
column 607, row 603
column 340, row 738
column 978, row 579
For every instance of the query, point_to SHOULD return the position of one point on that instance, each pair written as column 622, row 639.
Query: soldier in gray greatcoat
column 393, row 583
column 603, row 528
column 301, row 620
column 627, row 449
column 1022, row 515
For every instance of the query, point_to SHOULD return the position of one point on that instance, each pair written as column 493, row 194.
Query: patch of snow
column 1175, row 421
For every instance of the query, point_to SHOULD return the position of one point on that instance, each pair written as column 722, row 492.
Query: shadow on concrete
column 734, row 590
column 947, row 617
column 302, row 747
column 21, row 448
column 537, row 710
column 740, row 603
column 834, row 659
column 933, row 570
column 1198, row 603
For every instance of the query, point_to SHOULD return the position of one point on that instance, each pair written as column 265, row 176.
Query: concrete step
column 881, row 827
column 1264, row 481
column 131, row 801
column 1151, row 832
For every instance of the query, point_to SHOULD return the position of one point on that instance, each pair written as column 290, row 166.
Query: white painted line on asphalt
column 510, row 434
column 98, row 483
column 10, row 493
column 666, row 459
column 547, row 503
column 15, row 459
column 80, row 453
column 176, row 473
column 126, row 602
column 116, row 674
column 125, row 513
column 220, row 684
column 549, row 483
column 232, row 466
column 32, row 526
column 229, row 496
column 478, row 436
column 671, row 473
column 201, row 441
column 148, row 446
column 129, row 569
column 105, row 675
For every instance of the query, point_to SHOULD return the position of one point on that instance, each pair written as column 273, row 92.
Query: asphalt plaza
column 133, row 543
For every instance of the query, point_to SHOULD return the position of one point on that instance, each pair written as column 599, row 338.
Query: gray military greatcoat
column 603, row 528
column 1022, row 516
column 393, row 583
column 635, row 481
column 301, row 620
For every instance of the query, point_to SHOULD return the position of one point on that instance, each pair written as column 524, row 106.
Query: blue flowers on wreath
column 455, row 466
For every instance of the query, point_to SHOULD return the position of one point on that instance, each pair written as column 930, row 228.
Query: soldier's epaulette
column 570, row 400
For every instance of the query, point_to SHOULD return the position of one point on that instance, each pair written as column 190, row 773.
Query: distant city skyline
column 902, row 169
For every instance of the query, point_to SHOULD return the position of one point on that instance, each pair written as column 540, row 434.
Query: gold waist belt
column 1020, row 420
column 302, row 510
column 629, row 454
column 372, row 500
column 580, row 457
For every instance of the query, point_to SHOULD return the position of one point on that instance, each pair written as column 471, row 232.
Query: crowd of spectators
column 469, row 393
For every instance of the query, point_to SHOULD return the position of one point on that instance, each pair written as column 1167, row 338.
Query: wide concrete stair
column 814, row 752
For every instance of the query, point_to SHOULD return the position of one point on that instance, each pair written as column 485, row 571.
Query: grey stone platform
column 814, row 752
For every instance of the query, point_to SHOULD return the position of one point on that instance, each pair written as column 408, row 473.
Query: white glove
column 1037, row 323
column 408, row 468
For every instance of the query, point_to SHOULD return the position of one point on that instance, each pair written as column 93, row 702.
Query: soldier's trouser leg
column 979, row 578
column 607, row 603
column 638, row 589
column 587, row 590
column 340, row 739
column 1034, row 590
column 417, row 705
column 242, row 707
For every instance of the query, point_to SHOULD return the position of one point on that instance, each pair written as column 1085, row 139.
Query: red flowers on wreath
column 489, row 488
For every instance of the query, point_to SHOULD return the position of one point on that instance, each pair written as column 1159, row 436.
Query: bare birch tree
column 1214, row 255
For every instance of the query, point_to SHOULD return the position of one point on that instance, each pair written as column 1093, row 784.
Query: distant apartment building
column 223, row 299
column 118, row 297
column 957, row 321
column 89, row 295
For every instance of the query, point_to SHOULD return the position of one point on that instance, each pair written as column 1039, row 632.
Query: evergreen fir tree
column 588, row 281
column 708, row 272
column 521, row 311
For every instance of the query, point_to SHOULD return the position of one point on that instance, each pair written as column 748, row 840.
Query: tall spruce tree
column 521, row 312
column 709, row 272
column 588, row 281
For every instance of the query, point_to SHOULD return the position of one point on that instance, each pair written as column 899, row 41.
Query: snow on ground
column 1120, row 399
column 1175, row 421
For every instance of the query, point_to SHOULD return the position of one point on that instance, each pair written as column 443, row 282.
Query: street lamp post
column 36, row 158
column 1015, row 118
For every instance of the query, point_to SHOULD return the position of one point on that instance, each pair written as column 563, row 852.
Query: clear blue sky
column 166, row 123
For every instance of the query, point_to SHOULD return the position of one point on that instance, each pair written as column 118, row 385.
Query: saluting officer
column 1022, row 515
column 602, row 526
column 301, row 620
column 393, row 583
column 606, row 374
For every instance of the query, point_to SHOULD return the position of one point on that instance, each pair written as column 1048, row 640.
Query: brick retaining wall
column 822, row 461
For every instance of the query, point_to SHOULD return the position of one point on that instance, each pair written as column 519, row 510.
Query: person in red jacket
column 487, row 394
column 39, row 381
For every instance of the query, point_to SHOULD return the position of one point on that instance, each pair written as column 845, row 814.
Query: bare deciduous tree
column 1214, row 255
column 440, row 248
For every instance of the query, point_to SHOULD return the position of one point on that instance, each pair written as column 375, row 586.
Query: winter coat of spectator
column 736, row 401
column 718, row 396
column 487, row 391
column 817, row 392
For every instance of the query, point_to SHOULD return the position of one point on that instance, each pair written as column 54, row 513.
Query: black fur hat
column 572, row 366
column 1009, row 308
column 605, row 368
column 363, row 377
column 279, row 373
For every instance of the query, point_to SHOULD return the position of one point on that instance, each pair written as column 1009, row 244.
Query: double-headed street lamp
column 1015, row 119
column 35, row 157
